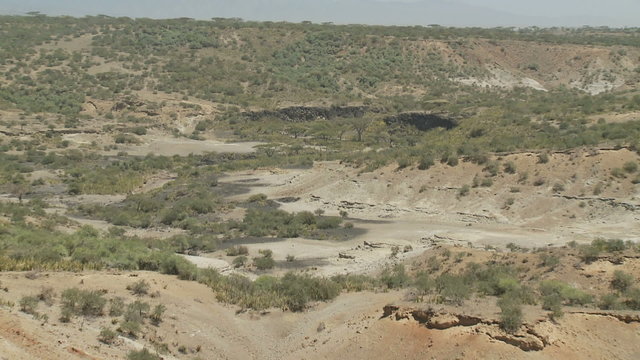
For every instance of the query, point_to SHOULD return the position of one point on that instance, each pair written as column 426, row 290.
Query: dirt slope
column 350, row 327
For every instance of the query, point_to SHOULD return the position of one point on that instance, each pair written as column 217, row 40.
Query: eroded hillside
column 224, row 189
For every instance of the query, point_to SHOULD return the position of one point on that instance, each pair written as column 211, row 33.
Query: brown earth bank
column 361, row 325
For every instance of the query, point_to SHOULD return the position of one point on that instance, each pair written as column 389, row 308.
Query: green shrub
column 289, row 292
column 126, row 139
column 553, row 303
column 395, row 277
column 597, row 190
column 239, row 261
column 510, row 314
column 305, row 218
column 630, row 167
column 170, row 264
column 451, row 160
column 621, row 281
column 237, row 250
column 355, row 282
column 289, row 231
column 137, row 311
column 426, row 161
column 143, row 354
column 567, row 293
column 492, row 167
column 83, row 302
column 329, row 222
column 610, row 302
column 258, row 198
column 549, row 260
column 299, row 289
column 139, row 288
column 479, row 157
column 395, row 249
column 510, row 167
column 611, row 245
column 543, row 158
column 268, row 253
column 139, row 130
column 107, row 336
column 632, row 300
column 618, row 173
column 589, row 253
column 116, row 307
column 29, row 305
column 404, row 162
column 264, row 262
column 130, row 328
column 46, row 295
column 523, row 177
column 453, row 288
column 423, row 284
column 433, row 263
column 156, row 314
column 510, row 201
column 464, row 190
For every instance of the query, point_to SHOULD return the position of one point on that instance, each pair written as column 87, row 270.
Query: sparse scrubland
column 161, row 176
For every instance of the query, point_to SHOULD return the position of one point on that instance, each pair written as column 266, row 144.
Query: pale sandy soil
column 419, row 208
column 388, row 207
column 349, row 327
column 166, row 145
column 169, row 146
column 193, row 318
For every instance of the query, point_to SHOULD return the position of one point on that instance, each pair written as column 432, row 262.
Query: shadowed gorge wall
column 422, row 121
column 303, row 113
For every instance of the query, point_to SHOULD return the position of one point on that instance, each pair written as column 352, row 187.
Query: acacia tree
column 296, row 130
column 269, row 149
column 323, row 130
column 359, row 125
column 341, row 128
column 19, row 187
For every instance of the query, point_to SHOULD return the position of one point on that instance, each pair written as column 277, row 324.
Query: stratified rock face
column 304, row 113
column 526, row 338
column 422, row 121
column 443, row 321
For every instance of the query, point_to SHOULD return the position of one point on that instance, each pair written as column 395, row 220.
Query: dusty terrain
column 355, row 325
column 419, row 208
column 409, row 208
column 573, row 198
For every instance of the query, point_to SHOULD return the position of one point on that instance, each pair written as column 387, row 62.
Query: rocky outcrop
column 609, row 201
column 346, row 256
column 526, row 339
column 422, row 121
column 128, row 104
column 432, row 319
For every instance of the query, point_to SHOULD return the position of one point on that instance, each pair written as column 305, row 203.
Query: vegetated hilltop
column 509, row 89
column 272, row 186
